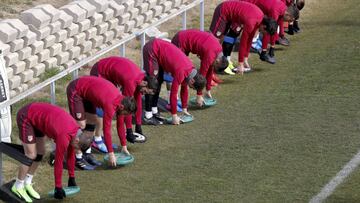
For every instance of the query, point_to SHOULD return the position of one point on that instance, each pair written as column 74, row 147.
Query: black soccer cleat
column 82, row 164
column 130, row 137
column 159, row 117
column 266, row 57
column 151, row 121
column 272, row 52
column 91, row 159
column 296, row 27
column 283, row 41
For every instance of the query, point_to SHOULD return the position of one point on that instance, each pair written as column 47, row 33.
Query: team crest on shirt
column 238, row 29
column 30, row 138
column 156, row 72
column 78, row 115
column 218, row 33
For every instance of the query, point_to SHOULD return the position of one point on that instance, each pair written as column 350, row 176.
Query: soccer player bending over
column 134, row 83
column 234, row 17
column 87, row 93
column 35, row 121
column 208, row 49
column 160, row 56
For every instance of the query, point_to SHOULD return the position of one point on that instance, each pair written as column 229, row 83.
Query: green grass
column 277, row 135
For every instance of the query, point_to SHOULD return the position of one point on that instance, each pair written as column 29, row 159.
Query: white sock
column 148, row 114
column 19, row 184
column 88, row 151
column 154, row 110
column 79, row 156
column 97, row 138
column 28, row 179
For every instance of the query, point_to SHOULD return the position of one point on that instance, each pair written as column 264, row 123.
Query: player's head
column 81, row 141
column 221, row 63
column 300, row 4
column 149, row 85
column 196, row 81
column 128, row 106
column 268, row 25
column 291, row 13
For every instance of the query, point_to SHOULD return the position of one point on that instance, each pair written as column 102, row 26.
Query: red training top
column 288, row 2
column 244, row 14
column 103, row 94
column 123, row 72
column 203, row 44
column 173, row 61
column 58, row 125
column 274, row 9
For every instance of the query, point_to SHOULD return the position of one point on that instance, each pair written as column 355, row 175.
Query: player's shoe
column 91, row 159
column 266, row 57
column 178, row 108
column 159, row 117
column 100, row 146
column 21, row 193
column 283, row 41
column 83, row 165
column 151, row 121
column 30, row 190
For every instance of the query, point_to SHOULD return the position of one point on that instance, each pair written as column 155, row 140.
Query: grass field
column 277, row 135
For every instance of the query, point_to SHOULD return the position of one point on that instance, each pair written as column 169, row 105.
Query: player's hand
column 185, row 111
column 246, row 65
column 71, row 182
column 112, row 159
column 59, row 193
column 208, row 94
column 175, row 119
column 200, row 100
column 125, row 150
column 240, row 69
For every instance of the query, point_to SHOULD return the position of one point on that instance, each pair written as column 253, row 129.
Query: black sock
column 272, row 52
column 290, row 30
column 227, row 48
column 138, row 129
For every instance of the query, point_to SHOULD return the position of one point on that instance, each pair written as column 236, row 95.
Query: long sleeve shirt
column 58, row 125
column 274, row 9
column 246, row 15
column 172, row 60
column 205, row 45
column 124, row 73
column 103, row 94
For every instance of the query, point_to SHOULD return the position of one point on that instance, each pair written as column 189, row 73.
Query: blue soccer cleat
column 100, row 146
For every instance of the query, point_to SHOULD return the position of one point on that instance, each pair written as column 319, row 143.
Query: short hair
column 129, row 104
column 85, row 141
column 293, row 11
column 224, row 63
column 300, row 4
column 271, row 25
column 199, row 81
column 152, row 82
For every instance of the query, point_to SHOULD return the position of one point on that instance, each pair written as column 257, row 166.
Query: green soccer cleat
column 229, row 69
column 21, row 193
column 30, row 190
column 231, row 65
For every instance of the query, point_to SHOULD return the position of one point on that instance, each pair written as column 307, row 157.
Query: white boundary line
column 329, row 188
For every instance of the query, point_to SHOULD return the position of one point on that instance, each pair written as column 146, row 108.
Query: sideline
column 340, row 177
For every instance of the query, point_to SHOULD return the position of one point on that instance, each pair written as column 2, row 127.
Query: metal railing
column 122, row 47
